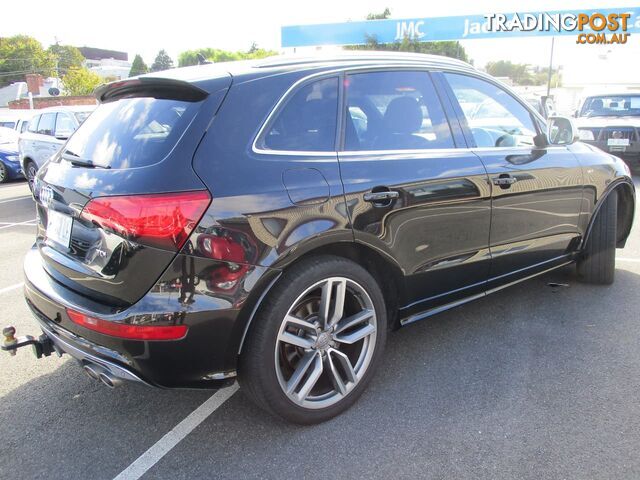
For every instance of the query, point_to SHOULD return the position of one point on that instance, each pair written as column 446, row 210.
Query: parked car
column 611, row 122
column 543, row 104
column 47, row 131
column 234, row 221
column 17, row 120
column 9, row 164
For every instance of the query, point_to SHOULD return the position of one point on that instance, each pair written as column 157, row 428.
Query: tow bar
column 42, row 346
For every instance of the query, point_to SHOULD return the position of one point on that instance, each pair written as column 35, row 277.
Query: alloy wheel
column 325, row 343
column 3, row 172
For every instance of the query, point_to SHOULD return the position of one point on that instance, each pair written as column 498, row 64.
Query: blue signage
column 430, row 29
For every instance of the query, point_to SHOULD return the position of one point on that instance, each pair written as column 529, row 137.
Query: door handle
column 383, row 197
column 504, row 181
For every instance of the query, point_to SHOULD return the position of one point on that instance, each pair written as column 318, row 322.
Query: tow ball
column 42, row 346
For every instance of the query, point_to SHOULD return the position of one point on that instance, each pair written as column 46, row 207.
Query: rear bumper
column 205, row 358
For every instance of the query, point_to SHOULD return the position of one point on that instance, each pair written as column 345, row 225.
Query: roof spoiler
column 163, row 88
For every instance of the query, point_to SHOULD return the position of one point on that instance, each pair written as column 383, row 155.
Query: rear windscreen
column 132, row 132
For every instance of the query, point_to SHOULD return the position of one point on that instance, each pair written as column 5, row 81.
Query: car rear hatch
column 120, row 199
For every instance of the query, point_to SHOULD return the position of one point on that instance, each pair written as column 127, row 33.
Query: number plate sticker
column 59, row 227
column 618, row 142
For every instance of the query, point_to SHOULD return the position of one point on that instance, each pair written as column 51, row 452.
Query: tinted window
column 132, row 132
column 64, row 126
column 611, row 106
column 495, row 118
column 308, row 120
column 47, row 123
column 8, row 124
column 394, row 111
column 24, row 126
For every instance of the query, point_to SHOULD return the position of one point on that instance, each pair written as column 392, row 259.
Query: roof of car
column 270, row 65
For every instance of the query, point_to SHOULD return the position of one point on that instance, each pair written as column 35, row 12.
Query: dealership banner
column 614, row 25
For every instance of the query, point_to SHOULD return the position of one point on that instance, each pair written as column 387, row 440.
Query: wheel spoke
column 300, row 371
column 356, row 335
column 345, row 363
column 312, row 378
column 353, row 320
column 299, row 323
column 333, row 294
column 334, row 375
column 293, row 339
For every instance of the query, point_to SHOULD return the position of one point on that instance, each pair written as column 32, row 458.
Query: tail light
column 158, row 220
column 125, row 330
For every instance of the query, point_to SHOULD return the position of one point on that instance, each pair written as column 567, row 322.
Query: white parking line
column 12, row 287
column 27, row 223
column 623, row 259
column 152, row 456
column 15, row 199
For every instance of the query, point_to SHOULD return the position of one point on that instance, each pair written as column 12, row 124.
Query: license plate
column 618, row 142
column 59, row 227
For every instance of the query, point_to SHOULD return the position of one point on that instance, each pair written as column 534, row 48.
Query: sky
column 142, row 26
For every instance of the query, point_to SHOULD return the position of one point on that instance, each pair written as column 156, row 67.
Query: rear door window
column 308, row 120
column 394, row 111
column 132, row 132
column 47, row 123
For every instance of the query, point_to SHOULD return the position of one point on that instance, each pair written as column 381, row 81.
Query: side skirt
column 433, row 311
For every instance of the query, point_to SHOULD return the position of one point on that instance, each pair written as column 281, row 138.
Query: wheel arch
column 386, row 273
column 626, row 210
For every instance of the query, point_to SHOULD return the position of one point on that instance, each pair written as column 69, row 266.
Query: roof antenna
column 202, row 60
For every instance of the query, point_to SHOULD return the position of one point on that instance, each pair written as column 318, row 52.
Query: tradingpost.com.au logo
column 594, row 28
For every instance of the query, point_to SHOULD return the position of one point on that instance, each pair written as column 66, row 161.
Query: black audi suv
column 271, row 221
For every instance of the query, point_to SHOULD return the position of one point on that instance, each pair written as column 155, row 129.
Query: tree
column 138, row 67
column 451, row 49
column 20, row 55
column 380, row 16
column 66, row 57
column 162, row 62
column 81, row 81
column 190, row 57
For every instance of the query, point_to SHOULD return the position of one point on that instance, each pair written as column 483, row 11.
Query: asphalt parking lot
column 532, row 382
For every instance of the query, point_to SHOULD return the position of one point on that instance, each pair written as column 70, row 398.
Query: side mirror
column 561, row 131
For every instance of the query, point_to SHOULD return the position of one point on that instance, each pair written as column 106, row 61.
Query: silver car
column 48, row 130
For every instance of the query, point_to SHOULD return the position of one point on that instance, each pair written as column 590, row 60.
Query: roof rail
column 363, row 56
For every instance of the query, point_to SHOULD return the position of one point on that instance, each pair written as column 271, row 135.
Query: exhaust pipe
column 109, row 380
column 97, row 372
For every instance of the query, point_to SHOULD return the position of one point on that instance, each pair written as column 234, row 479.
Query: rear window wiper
column 75, row 159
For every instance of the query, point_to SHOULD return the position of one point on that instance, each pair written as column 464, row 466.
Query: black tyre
column 4, row 174
column 316, row 341
column 598, row 264
column 30, row 172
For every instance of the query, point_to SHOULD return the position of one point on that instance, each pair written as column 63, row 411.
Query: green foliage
column 20, row 55
column 380, row 16
column 190, row 57
column 138, row 67
column 521, row 73
column 67, row 57
column 162, row 62
column 81, row 81
column 447, row 49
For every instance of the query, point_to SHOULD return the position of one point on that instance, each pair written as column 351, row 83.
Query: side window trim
column 463, row 119
column 282, row 103
column 457, row 131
